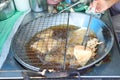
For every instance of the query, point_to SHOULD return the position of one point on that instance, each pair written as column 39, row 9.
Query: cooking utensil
column 7, row 9
column 76, row 3
column 22, row 5
column 38, row 5
column 26, row 32
column 80, row 1
column 86, row 36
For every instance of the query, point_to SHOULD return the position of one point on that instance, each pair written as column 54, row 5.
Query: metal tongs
column 80, row 1
column 86, row 36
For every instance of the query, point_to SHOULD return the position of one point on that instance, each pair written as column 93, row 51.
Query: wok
column 27, row 31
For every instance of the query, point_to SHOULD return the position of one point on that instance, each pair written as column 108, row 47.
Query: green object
column 62, row 5
column 6, row 27
column 77, row 8
column 80, row 8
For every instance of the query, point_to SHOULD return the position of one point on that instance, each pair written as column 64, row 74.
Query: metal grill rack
column 27, row 31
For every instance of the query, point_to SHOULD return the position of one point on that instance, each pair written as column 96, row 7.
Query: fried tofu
column 82, row 55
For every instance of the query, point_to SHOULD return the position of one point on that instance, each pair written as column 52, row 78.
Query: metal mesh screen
column 33, row 61
column 26, row 33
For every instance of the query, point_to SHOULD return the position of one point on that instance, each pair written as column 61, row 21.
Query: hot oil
column 59, row 32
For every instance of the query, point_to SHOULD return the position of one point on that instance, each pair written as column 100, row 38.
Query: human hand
column 102, row 5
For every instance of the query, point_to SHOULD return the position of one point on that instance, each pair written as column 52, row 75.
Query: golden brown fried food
column 82, row 55
column 45, row 34
column 52, row 45
column 44, row 45
column 92, row 44
column 57, row 58
column 76, row 36
column 39, row 46
column 70, row 51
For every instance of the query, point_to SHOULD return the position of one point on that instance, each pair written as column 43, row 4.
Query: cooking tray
column 26, row 32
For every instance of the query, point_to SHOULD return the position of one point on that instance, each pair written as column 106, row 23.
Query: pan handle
column 62, row 74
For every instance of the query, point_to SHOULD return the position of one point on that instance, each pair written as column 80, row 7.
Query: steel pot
column 38, row 5
column 7, row 9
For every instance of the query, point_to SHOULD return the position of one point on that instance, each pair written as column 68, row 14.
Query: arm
column 102, row 5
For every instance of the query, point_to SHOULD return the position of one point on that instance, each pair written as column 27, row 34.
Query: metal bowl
column 7, row 9
column 26, row 32
column 38, row 5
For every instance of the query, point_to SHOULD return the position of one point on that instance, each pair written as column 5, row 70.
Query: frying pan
column 27, row 31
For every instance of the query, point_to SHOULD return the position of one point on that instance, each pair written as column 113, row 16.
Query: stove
column 107, row 68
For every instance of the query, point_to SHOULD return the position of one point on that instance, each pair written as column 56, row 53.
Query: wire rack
column 26, row 33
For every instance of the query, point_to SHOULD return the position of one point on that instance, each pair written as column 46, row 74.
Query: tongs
column 86, row 36
column 80, row 1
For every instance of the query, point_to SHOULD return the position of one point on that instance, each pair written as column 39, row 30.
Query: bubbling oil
column 59, row 32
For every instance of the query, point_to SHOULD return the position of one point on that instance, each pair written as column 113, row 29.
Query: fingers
column 93, row 4
column 97, row 6
column 99, row 10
